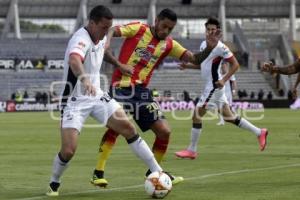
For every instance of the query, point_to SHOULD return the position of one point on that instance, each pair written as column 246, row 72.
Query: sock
column 107, row 143
column 59, row 166
column 195, row 134
column 244, row 124
column 142, row 150
column 221, row 119
column 159, row 148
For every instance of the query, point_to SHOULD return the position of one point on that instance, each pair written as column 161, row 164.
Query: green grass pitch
column 229, row 167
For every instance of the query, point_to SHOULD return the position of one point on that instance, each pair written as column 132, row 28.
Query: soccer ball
column 158, row 185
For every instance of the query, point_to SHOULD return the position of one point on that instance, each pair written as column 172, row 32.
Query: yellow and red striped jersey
column 144, row 52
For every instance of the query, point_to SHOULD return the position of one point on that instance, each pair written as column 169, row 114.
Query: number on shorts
column 152, row 107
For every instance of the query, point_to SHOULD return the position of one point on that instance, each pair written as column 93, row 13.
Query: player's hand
column 88, row 87
column 126, row 69
column 183, row 66
column 213, row 38
column 220, row 83
column 268, row 67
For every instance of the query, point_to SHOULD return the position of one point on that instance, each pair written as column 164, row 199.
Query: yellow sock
column 107, row 143
column 159, row 148
column 159, row 155
column 104, row 152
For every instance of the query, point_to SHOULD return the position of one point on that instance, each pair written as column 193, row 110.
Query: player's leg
column 69, row 137
column 106, row 145
column 110, row 113
column 229, row 99
column 162, row 133
column 121, row 124
column 108, row 141
column 191, row 151
column 221, row 120
column 261, row 134
column 73, row 117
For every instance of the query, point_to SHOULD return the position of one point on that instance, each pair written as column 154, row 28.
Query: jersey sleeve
column 129, row 30
column 177, row 50
column 79, row 46
column 225, row 52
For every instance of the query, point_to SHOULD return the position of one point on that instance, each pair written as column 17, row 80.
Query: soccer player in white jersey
column 82, row 96
column 213, row 95
column 230, row 88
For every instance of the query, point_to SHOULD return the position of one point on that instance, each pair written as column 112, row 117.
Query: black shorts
column 139, row 103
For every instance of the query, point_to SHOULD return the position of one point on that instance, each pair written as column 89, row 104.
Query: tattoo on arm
column 201, row 56
column 286, row 70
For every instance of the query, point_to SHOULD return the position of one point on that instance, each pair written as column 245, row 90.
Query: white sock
column 250, row 127
column 195, row 134
column 58, row 169
column 142, row 150
column 221, row 119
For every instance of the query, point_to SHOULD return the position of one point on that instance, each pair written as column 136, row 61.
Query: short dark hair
column 99, row 12
column 167, row 13
column 212, row 21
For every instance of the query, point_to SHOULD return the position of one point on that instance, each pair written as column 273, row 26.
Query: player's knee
column 127, row 130
column 229, row 119
column 68, row 153
column 196, row 119
column 164, row 133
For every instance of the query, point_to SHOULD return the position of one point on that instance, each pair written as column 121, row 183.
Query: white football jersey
column 91, row 56
column 210, row 67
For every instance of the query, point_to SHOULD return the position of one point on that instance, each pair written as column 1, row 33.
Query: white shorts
column 78, row 109
column 212, row 99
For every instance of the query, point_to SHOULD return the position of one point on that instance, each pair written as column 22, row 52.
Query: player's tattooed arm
column 286, row 70
column 195, row 59
column 112, row 32
column 211, row 42
column 201, row 56
column 110, row 58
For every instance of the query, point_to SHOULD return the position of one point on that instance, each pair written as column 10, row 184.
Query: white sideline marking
column 192, row 178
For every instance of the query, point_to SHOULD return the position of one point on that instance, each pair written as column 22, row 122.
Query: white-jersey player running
column 230, row 88
column 82, row 96
column 213, row 96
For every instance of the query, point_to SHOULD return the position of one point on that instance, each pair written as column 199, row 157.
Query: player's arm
column 112, row 32
column 197, row 58
column 110, row 58
column 75, row 63
column 286, row 69
column 234, row 66
column 184, row 65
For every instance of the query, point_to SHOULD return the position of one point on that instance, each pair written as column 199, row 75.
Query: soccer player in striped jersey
column 83, row 97
column 213, row 96
column 144, row 49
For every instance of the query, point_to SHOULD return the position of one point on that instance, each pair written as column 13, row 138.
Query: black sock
column 99, row 173
column 54, row 186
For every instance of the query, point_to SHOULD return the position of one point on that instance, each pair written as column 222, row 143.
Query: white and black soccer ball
column 158, row 185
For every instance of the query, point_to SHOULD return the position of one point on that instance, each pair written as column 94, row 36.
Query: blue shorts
column 139, row 103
